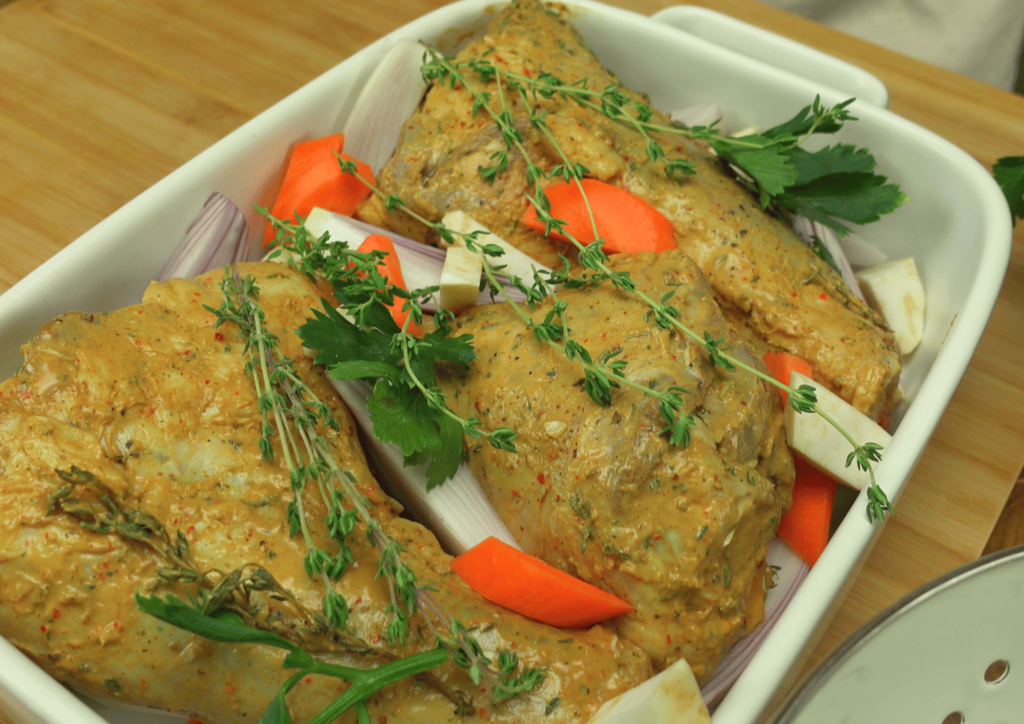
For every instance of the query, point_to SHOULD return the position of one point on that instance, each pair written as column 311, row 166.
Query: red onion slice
column 809, row 230
column 216, row 237
column 791, row 573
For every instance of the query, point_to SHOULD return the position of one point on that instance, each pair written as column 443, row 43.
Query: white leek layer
column 387, row 100
column 457, row 512
column 418, row 272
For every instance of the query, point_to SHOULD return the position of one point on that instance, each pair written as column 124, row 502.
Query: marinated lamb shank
column 152, row 405
column 767, row 278
column 681, row 532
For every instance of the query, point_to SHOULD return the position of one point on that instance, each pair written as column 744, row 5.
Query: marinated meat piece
column 755, row 264
column 153, row 400
column 679, row 532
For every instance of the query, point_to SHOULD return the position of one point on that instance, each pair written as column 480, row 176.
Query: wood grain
column 99, row 99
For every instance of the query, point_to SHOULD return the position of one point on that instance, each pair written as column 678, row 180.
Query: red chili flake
column 483, row 712
column 118, row 625
column 376, row 638
column 540, row 478
column 218, row 336
column 103, row 576
column 207, row 382
column 656, row 537
column 43, row 629
column 823, row 296
column 309, row 679
column 794, row 294
column 230, row 689
column 356, row 602
column 515, row 493
column 669, row 638
column 56, row 614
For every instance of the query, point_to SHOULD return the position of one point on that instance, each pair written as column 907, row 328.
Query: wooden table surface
column 99, row 99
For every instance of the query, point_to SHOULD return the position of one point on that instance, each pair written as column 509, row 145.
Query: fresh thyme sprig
column 407, row 596
column 285, row 398
column 591, row 256
column 600, row 377
column 223, row 608
column 407, row 406
column 831, row 185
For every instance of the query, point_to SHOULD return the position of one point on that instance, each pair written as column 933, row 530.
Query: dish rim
column 922, row 416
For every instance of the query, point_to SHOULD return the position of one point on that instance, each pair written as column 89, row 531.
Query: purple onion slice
column 216, row 237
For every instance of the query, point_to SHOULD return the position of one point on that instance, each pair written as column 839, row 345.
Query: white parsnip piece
column 516, row 263
column 460, row 279
column 671, row 697
column 895, row 290
column 824, row 447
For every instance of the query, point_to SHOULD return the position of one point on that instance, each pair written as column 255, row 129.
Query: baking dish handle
column 776, row 50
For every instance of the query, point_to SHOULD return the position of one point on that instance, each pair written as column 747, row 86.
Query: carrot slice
column 391, row 269
column 314, row 178
column 626, row 222
column 527, row 585
column 805, row 526
column 782, row 364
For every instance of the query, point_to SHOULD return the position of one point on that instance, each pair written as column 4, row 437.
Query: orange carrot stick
column 782, row 364
column 391, row 269
column 805, row 526
column 527, row 585
column 626, row 222
column 314, row 178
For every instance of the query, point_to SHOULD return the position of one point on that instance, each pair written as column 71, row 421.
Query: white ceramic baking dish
column 956, row 227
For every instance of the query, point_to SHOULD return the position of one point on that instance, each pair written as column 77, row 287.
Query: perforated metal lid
column 952, row 652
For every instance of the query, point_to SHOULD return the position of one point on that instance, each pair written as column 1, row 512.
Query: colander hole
column 954, row 718
column 997, row 671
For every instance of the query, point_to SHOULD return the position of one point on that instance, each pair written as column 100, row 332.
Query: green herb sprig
column 407, row 407
column 753, row 155
column 1009, row 174
column 831, row 185
column 407, row 596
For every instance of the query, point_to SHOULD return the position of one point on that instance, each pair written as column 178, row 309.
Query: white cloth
column 979, row 38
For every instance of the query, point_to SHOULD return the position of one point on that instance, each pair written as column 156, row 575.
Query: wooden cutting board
column 99, row 99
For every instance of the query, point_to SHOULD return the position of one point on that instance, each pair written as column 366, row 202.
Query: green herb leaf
column 857, row 197
column 814, row 118
column 1009, row 173
column 373, row 680
column 841, row 158
column 338, row 340
column 403, row 417
column 770, row 167
column 218, row 626
column 277, row 710
column 362, row 370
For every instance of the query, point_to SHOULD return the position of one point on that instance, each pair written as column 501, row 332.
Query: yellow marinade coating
column 153, row 400
column 757, row 266
column 681, row 532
